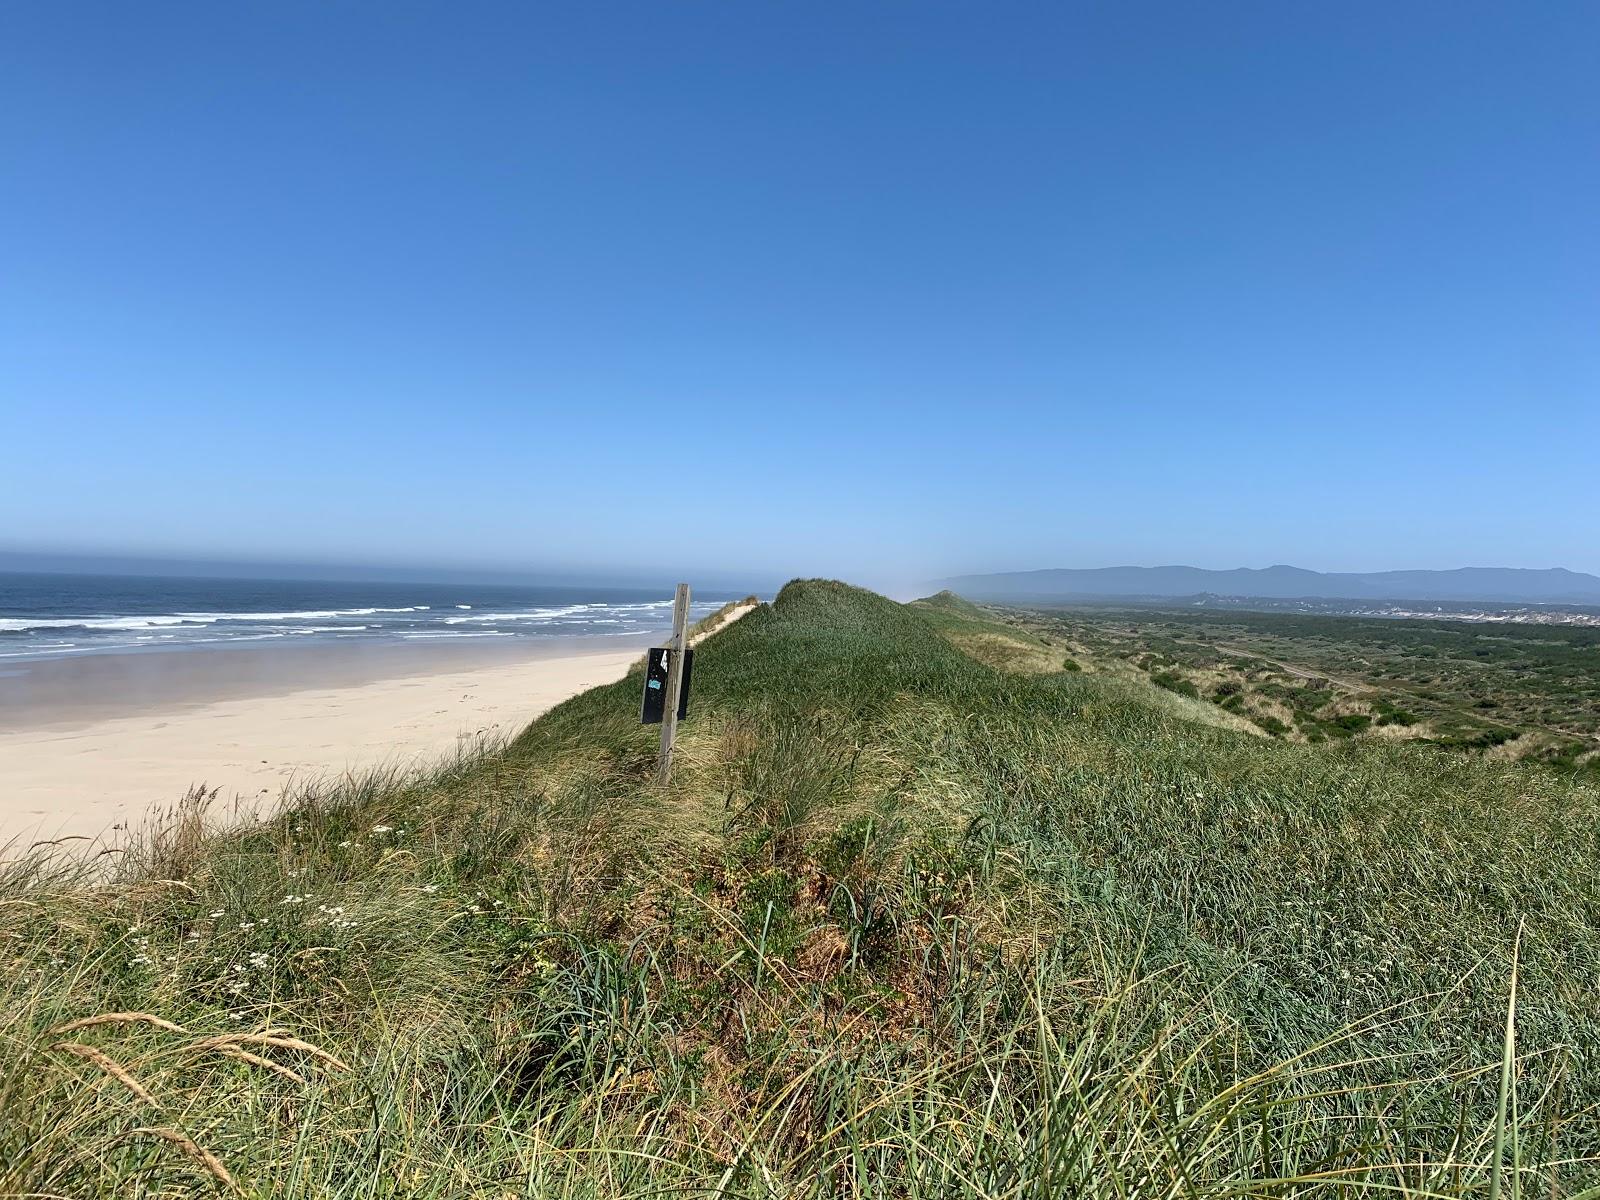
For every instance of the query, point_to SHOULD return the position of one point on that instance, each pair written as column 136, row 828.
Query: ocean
column 56, row 616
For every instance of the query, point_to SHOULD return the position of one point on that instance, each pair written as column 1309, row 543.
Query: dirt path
column 732, row 615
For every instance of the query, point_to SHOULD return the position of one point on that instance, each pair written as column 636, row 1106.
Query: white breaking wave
column 55, row 634
column 534, row 614
column 546, row 615
column 27, row 624
column 322, row 615
column 453, row 634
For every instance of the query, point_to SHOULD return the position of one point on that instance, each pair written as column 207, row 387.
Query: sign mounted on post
column 657, row 674
column 666, row 683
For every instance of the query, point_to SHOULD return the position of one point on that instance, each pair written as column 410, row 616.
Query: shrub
column 1174, row 682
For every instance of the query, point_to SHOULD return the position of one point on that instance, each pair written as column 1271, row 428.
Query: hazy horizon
column 706, row 578
column 799, row 290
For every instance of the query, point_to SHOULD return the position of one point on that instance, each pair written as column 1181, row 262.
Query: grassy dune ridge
column 920, row 915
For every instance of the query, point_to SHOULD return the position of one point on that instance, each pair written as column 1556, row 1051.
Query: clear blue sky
column 885, row 291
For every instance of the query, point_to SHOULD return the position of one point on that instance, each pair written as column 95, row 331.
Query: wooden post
column 669, row 717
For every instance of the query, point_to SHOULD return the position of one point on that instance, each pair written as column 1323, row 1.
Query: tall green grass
column 905, row 924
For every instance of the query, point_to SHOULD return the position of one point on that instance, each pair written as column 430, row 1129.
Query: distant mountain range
column 1504, row 585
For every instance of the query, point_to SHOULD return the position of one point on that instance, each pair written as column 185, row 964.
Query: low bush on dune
column 909, row 922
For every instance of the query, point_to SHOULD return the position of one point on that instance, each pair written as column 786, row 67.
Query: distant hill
column 1555, row 585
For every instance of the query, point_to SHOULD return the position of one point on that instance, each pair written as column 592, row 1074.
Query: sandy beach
column 91, row 744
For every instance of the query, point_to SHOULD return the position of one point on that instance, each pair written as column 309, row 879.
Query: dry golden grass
column 234, row 1051
column 209, row 1161
column 280, row 1040
column 117, row 1018
column 110, row 1066
column 1007, row 653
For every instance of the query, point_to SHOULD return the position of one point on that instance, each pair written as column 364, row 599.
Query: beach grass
column 920, row 915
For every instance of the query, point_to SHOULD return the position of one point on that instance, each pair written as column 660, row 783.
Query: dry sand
column 89, row 745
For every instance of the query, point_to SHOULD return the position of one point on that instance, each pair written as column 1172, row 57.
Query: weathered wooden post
column 678, row 655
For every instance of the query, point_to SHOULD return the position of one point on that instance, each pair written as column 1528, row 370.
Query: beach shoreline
column 90, row 746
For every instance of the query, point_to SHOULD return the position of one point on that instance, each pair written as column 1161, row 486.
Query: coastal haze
column 1496, row 584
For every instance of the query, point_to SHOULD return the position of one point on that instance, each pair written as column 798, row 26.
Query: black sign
column 655, row 685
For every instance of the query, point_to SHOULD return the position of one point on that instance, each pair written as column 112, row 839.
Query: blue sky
column 885, row 291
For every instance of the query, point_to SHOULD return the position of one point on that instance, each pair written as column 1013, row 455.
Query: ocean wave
column 29, row 624
column 93, row 624
column 165, row 620
column 532, row 614
column 318, row 615
column 462, row 633
column 589, row 612
column 61, row 648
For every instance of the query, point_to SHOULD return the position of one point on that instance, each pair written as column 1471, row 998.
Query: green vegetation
column 971, row 629
column 1533, row 689
column 1174, row 682
column 711, row 622
column 906, row 924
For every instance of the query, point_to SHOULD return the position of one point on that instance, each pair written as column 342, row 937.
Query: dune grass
column 906, row 924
